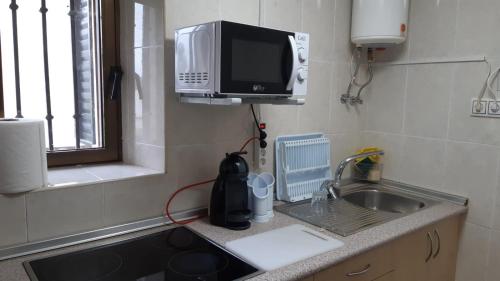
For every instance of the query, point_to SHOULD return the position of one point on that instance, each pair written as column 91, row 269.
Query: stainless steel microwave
column 225, row 63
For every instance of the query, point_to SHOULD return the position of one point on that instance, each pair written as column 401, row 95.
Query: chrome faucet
column 332, row 186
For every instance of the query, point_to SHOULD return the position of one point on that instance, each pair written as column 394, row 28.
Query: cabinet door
column 443, row 262
column 429, row 254
column 391, row 276
column 365, row 267
column 413, row 253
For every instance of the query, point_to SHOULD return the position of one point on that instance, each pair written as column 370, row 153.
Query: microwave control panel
column 300, row 85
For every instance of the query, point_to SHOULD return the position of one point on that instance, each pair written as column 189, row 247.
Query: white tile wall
column 248, row 11
column 64, row 211
column 384, row 100
column 143, row 101
column 318, row 20
column 494, row 257
column 473, row 253
column 13, row 220
column 471, row 171
column 315, row 115
column 428, row 91
column 422, row 162
column 477, row 20
column 432, row 28
column 423, row 119
column 281, row 14
column 134, row 199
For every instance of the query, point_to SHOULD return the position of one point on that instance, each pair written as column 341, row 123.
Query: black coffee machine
column 229, row 201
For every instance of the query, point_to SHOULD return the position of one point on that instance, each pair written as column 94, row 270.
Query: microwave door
column 256, row 61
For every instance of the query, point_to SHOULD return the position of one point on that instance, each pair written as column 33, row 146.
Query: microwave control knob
column 302, row 55
column 302, row 75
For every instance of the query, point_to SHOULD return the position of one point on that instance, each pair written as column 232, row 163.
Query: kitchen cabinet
column 310, row 278
column 390, row 276
column 367, row 266
column 428, row 254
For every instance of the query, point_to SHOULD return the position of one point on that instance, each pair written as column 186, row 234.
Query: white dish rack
column 302, row 165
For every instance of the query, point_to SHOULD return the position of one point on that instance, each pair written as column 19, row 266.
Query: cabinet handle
column 438, row 239
column 429, row 238
column 365, row 270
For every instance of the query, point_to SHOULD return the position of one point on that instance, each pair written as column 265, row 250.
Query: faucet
column 332, row 186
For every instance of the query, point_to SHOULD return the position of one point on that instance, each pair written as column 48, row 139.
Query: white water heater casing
column 379, row 22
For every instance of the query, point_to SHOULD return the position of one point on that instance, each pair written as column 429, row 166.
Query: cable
column 247, row 142
column 255, row 118
column 489, row 82
column 484, row 88
column 262, row 135
column 166, row 211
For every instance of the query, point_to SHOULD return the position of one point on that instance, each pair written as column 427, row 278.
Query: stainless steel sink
column 360, row 207
column 379, row 200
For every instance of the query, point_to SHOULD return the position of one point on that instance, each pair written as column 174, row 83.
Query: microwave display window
column 256, row 61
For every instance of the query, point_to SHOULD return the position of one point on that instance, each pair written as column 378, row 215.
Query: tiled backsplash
column 421, row 115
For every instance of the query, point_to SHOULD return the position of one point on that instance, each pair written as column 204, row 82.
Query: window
column 59, row 63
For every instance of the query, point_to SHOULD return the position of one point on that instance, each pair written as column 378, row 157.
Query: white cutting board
column 283, row 246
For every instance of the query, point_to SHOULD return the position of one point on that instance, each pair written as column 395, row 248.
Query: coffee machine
column 229, row 200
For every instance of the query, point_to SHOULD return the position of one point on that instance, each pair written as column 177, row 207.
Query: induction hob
column 174, row 254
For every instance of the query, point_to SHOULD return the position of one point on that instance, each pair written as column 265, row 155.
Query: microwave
column 224, row 62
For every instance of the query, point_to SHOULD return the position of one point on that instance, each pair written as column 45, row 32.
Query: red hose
column 247, row 142
column 167, row 212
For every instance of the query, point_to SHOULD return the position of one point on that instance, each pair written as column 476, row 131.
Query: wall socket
column 488, row 108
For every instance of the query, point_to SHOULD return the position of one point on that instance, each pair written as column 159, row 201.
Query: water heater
column 379, row 22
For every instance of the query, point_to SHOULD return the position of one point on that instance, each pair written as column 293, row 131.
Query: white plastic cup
column 269, row 180
column 260, row 199
column 251, row 177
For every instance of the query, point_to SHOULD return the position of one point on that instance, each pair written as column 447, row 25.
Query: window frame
column 111, row 115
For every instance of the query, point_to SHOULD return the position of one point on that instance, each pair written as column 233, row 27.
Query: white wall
column 420, row 115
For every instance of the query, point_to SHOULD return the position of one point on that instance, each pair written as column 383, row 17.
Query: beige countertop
column 12, row 270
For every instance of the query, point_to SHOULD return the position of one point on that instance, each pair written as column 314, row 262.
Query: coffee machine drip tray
column 175, row 254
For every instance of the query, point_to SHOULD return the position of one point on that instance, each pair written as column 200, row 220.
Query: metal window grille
column 85, row 54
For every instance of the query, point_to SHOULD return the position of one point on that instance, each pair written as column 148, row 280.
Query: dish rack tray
column 302, row 165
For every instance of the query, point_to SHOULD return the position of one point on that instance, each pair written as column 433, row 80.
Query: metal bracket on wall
column 433, row 61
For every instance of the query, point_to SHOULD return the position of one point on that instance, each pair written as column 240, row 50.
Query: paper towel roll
column 23, row 158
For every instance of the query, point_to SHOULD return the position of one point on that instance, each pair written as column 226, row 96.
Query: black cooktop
column 174, row 254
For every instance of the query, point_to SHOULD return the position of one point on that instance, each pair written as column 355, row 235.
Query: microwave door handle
column 295, row 64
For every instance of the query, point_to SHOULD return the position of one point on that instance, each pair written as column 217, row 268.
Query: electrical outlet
column 494, row 108
column 259, row 156
column 481, row 111
column 489, row 108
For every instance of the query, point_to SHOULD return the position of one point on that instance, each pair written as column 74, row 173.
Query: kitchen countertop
column 13, row 270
